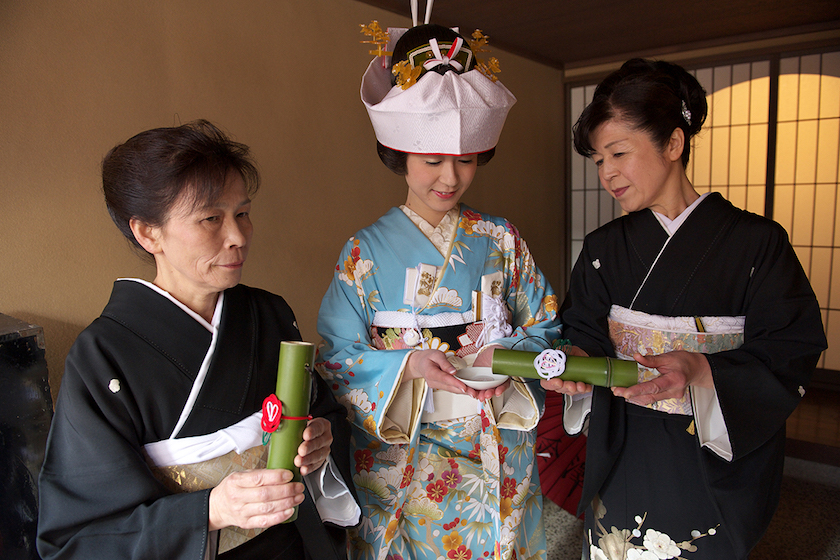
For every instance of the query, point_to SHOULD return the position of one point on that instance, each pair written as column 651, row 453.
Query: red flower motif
column 408, row 474
column 436, row 491
column 364, row 459
column 470, row 215
column 485, row 422
column 502, row 454
column 451, row 478
column 476, row 452
column 509, row 488
column 460, row 553
column 272, row 412
column 453, row 463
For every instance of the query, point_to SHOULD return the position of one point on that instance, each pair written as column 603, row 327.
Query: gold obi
column 208, row 474
column 635, row 331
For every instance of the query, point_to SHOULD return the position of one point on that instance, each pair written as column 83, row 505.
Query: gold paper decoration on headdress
column 478, row 44
column 378, row 37
column 406, row 74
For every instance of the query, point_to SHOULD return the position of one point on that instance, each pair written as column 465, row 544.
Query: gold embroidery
column 630, row 338
column 208, row 474
column 496, row 288
column 426, row 284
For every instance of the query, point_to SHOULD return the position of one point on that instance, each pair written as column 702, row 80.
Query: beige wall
column 77, row 77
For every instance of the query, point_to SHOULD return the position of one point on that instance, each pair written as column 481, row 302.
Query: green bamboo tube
column 294, row 385
column 604, row 372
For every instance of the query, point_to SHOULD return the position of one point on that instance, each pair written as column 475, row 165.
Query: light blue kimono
column 456, row 487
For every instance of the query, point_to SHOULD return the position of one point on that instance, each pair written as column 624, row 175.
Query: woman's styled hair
column 420, row 36
column 412, row 39
column 395, row 160
column 143, row 177
column 650, row 95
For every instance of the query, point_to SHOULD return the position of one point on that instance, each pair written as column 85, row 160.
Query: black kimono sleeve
column 99, row 499
column 783, row 339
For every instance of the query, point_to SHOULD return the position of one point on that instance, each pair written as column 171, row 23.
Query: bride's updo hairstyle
column 420, row 36
column 650, row 95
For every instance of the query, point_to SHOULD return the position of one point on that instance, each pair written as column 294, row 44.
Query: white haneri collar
column 671, row 226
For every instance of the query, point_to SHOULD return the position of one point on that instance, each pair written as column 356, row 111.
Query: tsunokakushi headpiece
column 426, row 92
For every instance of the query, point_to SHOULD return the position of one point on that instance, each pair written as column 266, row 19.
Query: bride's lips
column 444, row 195
column 620, row 191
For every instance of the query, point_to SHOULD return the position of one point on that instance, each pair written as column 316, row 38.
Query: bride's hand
column 433, row 366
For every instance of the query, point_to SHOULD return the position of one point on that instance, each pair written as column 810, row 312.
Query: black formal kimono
column 126, row 381
column 646, row 466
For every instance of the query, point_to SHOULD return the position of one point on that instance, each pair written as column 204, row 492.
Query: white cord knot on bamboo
column 550, row 363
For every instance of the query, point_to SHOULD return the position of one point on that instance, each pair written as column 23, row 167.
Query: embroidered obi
column 454, row 334
column 208, row 474
column 635, row 331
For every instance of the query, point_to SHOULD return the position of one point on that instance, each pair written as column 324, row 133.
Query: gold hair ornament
column 377, row 37
column 406, row 75
column 478, row 44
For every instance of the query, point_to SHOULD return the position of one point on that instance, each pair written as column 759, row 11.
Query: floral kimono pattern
column 463, row 487
column 635, row 331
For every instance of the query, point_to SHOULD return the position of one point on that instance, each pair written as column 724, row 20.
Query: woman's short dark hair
column 649, row 95
column 396, row 160
column 143, row 177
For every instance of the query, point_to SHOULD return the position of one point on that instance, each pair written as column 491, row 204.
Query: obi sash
column 459, row 339
column 636, row 331
column 208, row 474
column 201, row 462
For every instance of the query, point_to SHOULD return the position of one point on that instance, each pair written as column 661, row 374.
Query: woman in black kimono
column 713, row 304
column 156, row 445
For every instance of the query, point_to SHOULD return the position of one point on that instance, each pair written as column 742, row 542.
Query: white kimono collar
column 671, row 226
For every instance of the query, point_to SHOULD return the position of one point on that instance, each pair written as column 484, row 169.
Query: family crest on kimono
column 442, row 469
column 713, row 304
